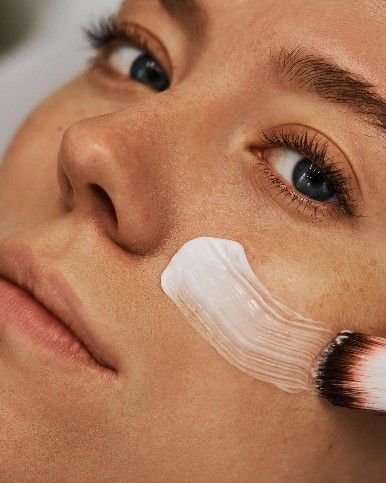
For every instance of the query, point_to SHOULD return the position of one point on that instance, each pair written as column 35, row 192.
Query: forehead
column 352, row 30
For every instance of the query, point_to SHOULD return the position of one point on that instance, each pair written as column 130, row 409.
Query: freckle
column 60, row 128
column 345, row 285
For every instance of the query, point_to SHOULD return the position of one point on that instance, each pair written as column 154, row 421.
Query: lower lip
column 29, row 318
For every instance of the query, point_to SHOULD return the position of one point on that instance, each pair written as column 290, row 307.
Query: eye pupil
column 147, row 71
column 310, row 180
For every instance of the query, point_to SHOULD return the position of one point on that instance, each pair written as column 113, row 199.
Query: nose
column 106, row 170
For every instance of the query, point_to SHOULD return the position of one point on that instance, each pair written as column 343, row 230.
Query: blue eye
column 139, row 66
column 147, row 71
column 309, row 180
column 302, row 173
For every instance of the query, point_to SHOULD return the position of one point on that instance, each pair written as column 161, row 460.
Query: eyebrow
column 326, row 79
column 188, row 13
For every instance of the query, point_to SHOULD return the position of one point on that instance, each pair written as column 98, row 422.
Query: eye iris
column 309, row 180
column 146, row 70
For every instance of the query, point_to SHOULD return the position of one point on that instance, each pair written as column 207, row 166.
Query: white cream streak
column 212, row 283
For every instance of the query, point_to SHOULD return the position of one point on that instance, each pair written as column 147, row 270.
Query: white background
column 52, row 53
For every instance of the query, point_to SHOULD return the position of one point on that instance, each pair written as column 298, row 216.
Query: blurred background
column 41, row 47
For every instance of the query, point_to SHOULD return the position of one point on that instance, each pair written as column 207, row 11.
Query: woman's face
column 113, row 173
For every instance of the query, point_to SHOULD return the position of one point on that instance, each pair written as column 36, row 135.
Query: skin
column 177, row 165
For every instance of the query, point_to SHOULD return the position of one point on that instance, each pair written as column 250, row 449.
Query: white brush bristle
column 370, row 377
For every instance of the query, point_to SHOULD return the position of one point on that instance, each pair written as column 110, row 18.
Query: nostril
column 105, row 200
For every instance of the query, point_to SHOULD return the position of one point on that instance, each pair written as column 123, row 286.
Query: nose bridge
column 109, row 169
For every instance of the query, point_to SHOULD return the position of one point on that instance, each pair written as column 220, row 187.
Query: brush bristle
column 352, row 372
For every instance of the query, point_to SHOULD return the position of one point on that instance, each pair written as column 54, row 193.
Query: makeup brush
column 351, row 372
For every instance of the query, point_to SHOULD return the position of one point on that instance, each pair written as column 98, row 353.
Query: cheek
column 320, row 268
column 28, row 178
column 37, row 142
column 33, row 151
column 212, row 283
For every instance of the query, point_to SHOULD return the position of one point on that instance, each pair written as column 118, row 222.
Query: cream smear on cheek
column 214, row 286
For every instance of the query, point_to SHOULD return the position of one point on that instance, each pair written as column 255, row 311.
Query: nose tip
column 103, row 177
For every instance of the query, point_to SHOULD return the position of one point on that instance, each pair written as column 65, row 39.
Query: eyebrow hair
column 323, row 77
column 188, row 13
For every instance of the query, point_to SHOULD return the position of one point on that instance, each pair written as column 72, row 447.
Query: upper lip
column 19, row 265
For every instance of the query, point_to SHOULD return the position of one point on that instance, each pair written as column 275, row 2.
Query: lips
column 61, row 305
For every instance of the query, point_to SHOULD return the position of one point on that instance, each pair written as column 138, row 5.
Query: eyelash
column 315, row 150
column 106, row 31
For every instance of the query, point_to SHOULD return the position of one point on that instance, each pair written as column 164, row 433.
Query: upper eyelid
column 293, row 132
column 329, row 143
column 158, row 42
column 108, row 29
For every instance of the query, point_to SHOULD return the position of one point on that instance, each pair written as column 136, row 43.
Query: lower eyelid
column 112, row 82
column 280, row 191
